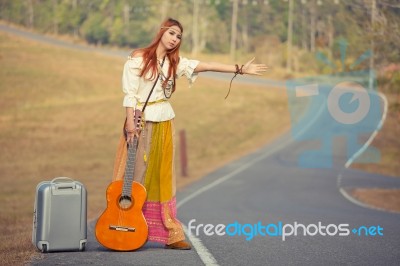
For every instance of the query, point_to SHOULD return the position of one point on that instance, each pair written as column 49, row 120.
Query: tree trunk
column 55, row 17
column 304, row 27
column 164, row 9
column 330, row 35
column 195, row 28
column 235, row 7
column 245, row 34
column 313, row 26
column 30, row 14
column 126, row 16
column 289, row 38
column 372, row 45
column 74, row 8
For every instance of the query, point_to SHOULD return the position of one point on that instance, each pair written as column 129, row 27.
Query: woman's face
column 171, row 38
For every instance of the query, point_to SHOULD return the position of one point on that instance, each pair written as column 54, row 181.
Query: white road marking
column 204, row 254
column 358, row 153
column 373, row 135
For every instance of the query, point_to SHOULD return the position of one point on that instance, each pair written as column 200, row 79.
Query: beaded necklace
column 166, row 86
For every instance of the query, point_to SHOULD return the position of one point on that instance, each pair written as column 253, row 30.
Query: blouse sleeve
column 130, row 82
column 186, row 68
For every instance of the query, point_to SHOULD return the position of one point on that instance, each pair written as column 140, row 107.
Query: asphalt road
column 264, row 187
column 272, row 190
column 269, row 190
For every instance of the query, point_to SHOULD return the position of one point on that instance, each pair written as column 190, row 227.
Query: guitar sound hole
column 125, row 202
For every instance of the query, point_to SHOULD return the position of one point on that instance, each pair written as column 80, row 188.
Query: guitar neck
column 130, row 168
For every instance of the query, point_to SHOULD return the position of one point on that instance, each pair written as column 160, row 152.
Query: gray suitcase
column 59, row 217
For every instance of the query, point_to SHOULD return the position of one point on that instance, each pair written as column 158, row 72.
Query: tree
column 94, row 30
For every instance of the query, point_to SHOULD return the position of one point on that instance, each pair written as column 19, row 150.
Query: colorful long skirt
column 154, row 168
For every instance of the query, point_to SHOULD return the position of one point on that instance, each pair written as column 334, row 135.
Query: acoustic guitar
column 122, row 225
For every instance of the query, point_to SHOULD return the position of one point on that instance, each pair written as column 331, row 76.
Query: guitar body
column 122, row 225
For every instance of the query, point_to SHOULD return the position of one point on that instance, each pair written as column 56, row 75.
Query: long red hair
column 150, row 57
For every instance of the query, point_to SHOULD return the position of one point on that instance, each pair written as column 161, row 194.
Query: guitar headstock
column 138, row 119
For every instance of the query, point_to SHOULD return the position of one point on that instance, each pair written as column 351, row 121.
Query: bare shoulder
column 136, row 54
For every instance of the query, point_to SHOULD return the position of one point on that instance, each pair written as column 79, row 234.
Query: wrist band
column 241, row 70
column 238, row 71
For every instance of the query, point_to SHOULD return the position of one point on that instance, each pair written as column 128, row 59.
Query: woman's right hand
column 130, row 128
column 130, row 135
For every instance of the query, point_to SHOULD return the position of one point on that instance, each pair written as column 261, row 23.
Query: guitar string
column 128, row 179
column 122, row 195
column 121, row 203
column 131, row 160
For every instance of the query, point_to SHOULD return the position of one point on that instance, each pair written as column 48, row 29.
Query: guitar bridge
column 122, row 228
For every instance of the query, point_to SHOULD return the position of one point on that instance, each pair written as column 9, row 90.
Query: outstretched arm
column 248, row 68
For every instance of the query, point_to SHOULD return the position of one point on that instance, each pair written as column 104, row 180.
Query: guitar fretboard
column 129, row 169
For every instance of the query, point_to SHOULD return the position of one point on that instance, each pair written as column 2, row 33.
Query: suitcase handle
column 70, row 184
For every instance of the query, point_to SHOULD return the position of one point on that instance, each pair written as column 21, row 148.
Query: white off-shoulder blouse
column 137, row 88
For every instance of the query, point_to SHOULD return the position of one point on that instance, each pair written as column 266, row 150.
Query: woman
column 160, row 64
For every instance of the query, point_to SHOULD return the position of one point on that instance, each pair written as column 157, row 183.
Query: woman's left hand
column 254, row 69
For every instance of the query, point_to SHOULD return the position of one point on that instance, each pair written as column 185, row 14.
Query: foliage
column 134, row 23
column 94, row 29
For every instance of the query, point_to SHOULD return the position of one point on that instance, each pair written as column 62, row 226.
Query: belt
column 151, row 103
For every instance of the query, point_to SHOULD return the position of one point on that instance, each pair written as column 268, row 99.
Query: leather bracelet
column 237, row 69
column 241, row 70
